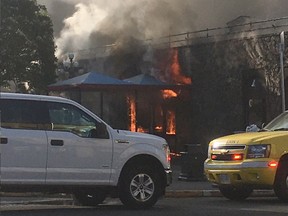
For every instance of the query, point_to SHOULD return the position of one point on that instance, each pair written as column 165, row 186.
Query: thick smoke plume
column 85, row 24
column 89, row 24
column 97, row 23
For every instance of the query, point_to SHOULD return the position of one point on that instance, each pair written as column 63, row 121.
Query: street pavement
column 178, row 189
column 182, row 187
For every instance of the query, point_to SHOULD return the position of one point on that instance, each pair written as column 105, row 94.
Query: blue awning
column 90, row 78
column 144, row 79
column 94, row 80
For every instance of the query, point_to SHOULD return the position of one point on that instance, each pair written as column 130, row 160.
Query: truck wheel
column 235, row 193
column 139, row 187
column 90, row 199
column 281, row 182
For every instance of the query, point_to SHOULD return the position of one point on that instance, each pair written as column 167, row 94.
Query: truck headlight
column 167, row 153
column 258, row 151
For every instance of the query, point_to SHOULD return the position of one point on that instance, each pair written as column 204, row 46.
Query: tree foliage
column 27, row 45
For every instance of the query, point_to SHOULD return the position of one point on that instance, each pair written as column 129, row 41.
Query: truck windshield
column 279, row 123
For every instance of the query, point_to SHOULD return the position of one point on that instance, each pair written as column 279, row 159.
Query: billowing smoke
column 97, row 23
column 88, row 24
column 84, row 24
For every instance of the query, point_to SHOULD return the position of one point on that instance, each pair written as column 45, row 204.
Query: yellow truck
column 240, row 163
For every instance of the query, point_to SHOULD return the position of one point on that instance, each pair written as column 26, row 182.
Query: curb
column 42, row 201
column 211, row 193
column 192, row 193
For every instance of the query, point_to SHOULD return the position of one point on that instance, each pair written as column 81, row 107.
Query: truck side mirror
column 99, row 132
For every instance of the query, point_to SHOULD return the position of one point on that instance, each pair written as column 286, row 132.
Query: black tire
column 140, row 187
column 90, row 199
column 281, row 182
column 235, row 193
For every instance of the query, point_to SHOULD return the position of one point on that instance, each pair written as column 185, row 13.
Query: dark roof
column 86, row 80
column 144, row 79
column 93, row 80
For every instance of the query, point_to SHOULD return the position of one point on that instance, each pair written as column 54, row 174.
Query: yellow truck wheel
column 281, row 181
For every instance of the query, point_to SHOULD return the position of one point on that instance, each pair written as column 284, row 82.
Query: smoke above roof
column 98, row 23
column 85, row 24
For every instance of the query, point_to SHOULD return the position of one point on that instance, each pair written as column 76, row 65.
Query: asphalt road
column 204, row 206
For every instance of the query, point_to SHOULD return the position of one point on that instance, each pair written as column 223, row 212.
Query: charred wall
column 235, row 83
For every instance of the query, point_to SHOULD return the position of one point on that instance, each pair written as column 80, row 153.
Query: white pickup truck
column 52, row 144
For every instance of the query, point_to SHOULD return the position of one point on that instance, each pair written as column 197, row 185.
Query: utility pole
column 281, row 49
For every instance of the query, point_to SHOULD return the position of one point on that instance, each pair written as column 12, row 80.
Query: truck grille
column 230, row 147
column 227, row 152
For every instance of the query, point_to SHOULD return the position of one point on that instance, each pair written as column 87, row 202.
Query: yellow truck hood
column 251, row 137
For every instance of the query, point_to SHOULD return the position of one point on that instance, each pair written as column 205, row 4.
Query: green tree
column 27, row 52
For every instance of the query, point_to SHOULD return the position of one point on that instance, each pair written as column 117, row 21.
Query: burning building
column 204, row 80
column 154, row 101
column 150, row 105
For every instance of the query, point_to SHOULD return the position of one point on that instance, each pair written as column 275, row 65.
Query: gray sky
column 81, row 24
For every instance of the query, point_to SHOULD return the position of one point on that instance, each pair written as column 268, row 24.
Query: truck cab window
column 23, row 114
column 66, row 117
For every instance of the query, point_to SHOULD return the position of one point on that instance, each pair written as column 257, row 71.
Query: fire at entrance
column 154, row 117
column 153, row 111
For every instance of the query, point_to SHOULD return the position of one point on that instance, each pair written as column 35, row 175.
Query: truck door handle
column 57, row 142
column 3, row 140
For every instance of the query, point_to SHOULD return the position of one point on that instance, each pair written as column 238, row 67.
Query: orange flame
column 171, row 123
column 177, row 77
column 132, row 112
column 141, row 129
column 158, row 128
column 169, row 94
